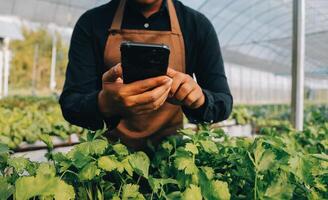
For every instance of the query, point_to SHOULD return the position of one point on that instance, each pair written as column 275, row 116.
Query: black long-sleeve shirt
column 79, row 101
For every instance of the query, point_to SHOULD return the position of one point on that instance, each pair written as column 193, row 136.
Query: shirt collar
column 131, row 5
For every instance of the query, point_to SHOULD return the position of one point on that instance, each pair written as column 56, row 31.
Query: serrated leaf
column 126, row 166
column 209, row 146
column 192, row 193
column 62, row 161
column 186, row 164
column 108, row 163
column 44, row 184
column 167, row 146
column 131, row 192
column 215, row 189
column 191, row 148
column 140, row 163
column 18, row 163
column 89, row 172
column 120, row 149
column 264, row 159
column 95, row 147
column 280, row 188
column 209, row 172
column 301, row 168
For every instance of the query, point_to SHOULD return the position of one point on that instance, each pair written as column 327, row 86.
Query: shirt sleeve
column 211, row 78
column 79, row 99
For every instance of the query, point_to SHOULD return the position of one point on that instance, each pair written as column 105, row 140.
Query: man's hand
column 136, row 98
column 185, row 90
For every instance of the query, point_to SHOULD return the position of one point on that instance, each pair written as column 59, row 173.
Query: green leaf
column 186, row 164
column 44, row 184
column 131, row 192
column 120, row 149
column 156, row 183
column 95, row 147
column 301, row 168
column 187, row 132
column 108, row 163
column 126, row 166
column 264, row 159
column 140, row 163
column 192, row 193
column 47, row 140
column 323, row 157
column 6, row 190
column 62, row 161
column 116, row 198
column 19, row 163
column 167, row 146
column 215, row 189
column 174, row 196
column 209, row 146
column 89, row 171
column 46, row 169
column 191, row 148
column 209, row 172
column 280, row 188
column 80, row 159
column 4, row 148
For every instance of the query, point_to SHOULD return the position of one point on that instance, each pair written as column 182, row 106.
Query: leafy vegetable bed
column 28, row 119
column 204, row 165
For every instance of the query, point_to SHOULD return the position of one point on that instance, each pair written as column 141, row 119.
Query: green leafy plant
column 204, row 164
column 28, row 119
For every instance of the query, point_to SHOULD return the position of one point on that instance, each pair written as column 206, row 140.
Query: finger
column 113, row 73
column 177, row 82
column 174, row 101
column 146, row 108
column 192, row 98
column 142, row 86
column 200, row 101
column 119, row 80
column 171, row 72
column 184, row 91
column 152, row 95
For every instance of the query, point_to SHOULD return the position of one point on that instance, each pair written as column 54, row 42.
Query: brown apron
column 134, row 131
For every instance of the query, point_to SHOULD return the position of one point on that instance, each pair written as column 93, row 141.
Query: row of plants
column 204, row 164
column 277, row 116
column 28, row 119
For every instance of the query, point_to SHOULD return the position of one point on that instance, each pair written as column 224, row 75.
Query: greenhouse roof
column 253, row 33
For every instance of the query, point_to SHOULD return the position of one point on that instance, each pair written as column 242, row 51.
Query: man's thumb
column 113, row 73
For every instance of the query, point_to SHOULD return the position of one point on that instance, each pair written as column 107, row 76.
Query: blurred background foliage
column 36, row 49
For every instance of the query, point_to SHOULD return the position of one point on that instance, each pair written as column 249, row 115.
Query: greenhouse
column 69, row 130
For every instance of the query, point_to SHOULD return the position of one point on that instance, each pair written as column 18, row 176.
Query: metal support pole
column 298, row 60
column 53, row 63
column 34, row 68
column 6, row 53
column 2, row 60
column 1, row 71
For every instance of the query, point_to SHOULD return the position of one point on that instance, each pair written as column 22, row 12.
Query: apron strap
column 175, row 26
column 118, row 18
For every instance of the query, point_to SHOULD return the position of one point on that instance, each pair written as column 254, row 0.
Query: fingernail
column 166, row 80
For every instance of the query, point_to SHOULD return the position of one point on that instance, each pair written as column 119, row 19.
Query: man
column 148, row 109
